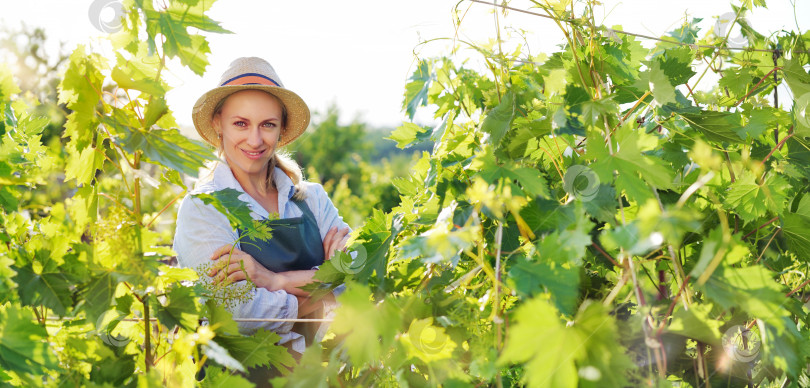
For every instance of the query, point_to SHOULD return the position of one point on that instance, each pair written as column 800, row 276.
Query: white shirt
column 201, row 230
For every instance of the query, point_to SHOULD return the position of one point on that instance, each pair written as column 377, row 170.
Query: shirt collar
column 223, row 179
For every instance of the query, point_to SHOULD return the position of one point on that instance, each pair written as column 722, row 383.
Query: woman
column 247, row 117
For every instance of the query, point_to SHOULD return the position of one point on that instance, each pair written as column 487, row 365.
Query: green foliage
column 592, row 217
column 84, row 265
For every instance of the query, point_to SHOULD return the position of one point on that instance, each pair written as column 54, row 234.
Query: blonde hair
column 281, row 160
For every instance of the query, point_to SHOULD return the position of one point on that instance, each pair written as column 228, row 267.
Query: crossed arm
column 232, row 265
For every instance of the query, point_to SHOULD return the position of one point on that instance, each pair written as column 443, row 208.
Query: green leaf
column 9, row 118
column 166, row 147
column 83, row 169
column 751, row 200
column 416, row 91
column 697, row 323
column 759, row 121
column 630, row 159
column 733, row 251
column 676, row 63
column 532, row 181
column 258, row 349
column 750, row 288
column 80, row 91
column 193, row 15
column 553, row 353
column 796, row 229
column 24, row 345
column 218, row 378
column 499, row 119
column 113, row 370
column 796, row 77
column 128, row 78
column 716, row 126
column 597, row 329
column 219, row 319
column 365, row 343
column 99, row 295
column 312, row 371
column 49, row 289
column 427, row 342
column 661, row 87
column 191, row 49
column 154, row 111
column 179, row 310
column 377, row 237
column 409, row 134
column 559, row 279
column 8, row 87
column 228, row 203
column 543, row 345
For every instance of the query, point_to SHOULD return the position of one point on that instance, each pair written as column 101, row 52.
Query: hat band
column 251, row 79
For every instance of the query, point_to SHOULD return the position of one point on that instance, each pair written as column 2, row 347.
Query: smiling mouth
column 253, row 154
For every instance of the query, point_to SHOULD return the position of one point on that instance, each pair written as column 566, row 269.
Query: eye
column 240, row 123
column 269, row 124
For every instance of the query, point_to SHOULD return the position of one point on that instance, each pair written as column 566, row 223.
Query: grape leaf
column 409, row 134
column 258, row 349
column 218, row 378
column 179, row 310
column 24, row 344
column 380, row 323
column 99, row 295
column 80, row 91
column 553, row 353
column 166, row 147
column 556, row 277
column 499, row 119
column 752, row 200
column 49, row 289
column 697, row 323
column 661, row 87
column 796, row 229
column 716, row 126
column 416, row 91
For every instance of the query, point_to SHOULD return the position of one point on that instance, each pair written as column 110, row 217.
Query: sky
column 358, row 54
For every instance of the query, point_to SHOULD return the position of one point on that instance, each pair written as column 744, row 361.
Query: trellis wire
column 206, row 319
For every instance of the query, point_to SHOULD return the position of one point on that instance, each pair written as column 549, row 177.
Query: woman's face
column 250, row 123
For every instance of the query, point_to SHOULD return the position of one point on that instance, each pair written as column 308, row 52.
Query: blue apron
column 296, row 243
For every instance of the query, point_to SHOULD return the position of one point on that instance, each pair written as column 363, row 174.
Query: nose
column 254, row 138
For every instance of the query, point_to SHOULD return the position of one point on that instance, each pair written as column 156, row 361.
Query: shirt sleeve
column 325, row 212
column 201, row 230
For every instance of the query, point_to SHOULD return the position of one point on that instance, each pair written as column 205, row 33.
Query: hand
column 229, row 263
column 334, row 240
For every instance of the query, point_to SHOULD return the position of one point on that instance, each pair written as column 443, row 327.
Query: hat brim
column 297, row 111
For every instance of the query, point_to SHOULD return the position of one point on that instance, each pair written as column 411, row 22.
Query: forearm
column 288, row 281
column 307, row 305
column 291, row 280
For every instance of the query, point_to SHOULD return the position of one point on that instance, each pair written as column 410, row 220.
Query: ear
column 216, row 123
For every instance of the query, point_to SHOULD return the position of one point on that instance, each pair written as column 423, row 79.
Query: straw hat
column 250, row 73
